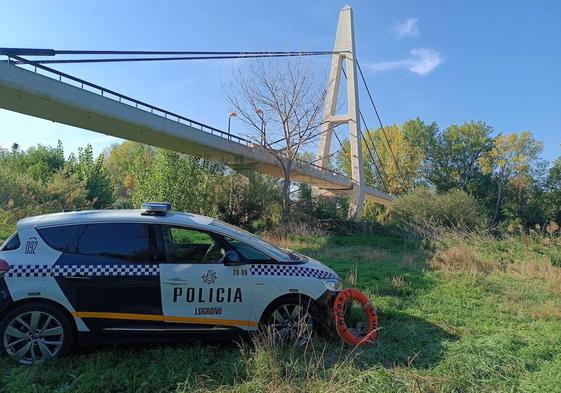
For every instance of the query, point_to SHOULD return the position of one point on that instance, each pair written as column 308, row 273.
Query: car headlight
column 333, row 284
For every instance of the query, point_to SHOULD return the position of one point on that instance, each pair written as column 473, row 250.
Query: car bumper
column 325, row 311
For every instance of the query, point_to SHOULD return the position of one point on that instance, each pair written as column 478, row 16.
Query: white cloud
column 420, row 61
column 407, row 28
column 424, row 61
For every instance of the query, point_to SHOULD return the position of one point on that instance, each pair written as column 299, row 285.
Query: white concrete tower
column 345, row 46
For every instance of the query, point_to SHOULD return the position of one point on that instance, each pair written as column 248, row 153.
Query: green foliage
column 551, row 198
column 454, row 156
column 252, row 201
column 119, row 162
column 510, row 163
column 424, row 207
column 505, row 175
column 399, row 158
column 310, row 208
column 94, row 175
column 40, row 180
column 188, row 183
column 38, row 162
column 69, row 191
column 22, row 196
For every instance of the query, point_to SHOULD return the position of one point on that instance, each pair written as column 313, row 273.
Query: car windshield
column 280, row 253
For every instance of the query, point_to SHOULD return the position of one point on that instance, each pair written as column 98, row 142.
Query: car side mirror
column 232, row 258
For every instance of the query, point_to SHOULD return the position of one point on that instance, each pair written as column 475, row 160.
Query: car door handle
column 79, row 277
column 177, row 281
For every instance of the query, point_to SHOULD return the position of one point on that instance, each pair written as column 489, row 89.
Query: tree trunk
column 497, row 205
column 286, row 200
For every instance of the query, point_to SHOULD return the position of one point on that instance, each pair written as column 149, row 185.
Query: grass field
column 473, row 315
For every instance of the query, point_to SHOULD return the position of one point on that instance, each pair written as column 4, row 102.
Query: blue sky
column 443, row 61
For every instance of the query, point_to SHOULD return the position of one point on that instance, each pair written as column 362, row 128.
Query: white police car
column 148, row 275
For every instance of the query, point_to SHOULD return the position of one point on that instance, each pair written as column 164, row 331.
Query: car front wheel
column 35, row 332
column 291, row 321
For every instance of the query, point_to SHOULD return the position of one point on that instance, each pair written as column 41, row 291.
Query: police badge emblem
column 209, row 277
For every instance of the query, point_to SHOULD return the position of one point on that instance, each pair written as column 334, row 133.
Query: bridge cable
column 147, row 59
column 192, row 55
column 384, row 182
column 54, row 52
column 375, row 165
column 328, row 156
column 381, row 124
column 347, row 153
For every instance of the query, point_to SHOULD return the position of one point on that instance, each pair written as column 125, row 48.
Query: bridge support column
column 345, row 57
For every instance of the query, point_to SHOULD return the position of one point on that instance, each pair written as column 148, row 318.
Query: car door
column 110, row 274
column 199, row 292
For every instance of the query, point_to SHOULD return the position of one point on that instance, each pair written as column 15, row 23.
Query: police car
column 149, row 275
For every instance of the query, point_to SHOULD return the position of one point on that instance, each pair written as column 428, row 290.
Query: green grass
column 453, row 329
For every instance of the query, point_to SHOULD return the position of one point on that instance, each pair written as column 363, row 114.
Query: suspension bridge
column 33, row 88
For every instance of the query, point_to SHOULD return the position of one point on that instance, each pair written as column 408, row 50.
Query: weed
column 352, row 276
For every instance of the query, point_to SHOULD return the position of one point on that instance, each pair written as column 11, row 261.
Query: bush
column 424, row 208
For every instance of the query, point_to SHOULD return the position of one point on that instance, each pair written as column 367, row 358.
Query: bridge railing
column 108, row 93
column 83, row 84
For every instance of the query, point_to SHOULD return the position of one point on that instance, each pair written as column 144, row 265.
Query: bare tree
column 281, row 102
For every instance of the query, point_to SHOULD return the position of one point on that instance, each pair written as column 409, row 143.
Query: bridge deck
column 38, row 95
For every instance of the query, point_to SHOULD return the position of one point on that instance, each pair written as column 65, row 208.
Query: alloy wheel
column 292, row 323
column 33, row 336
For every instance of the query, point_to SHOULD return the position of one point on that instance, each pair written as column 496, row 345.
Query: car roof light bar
column 155, row 208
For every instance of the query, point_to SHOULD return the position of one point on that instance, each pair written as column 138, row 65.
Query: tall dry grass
column 538, row 268
column 461, row 258
column 525, row 256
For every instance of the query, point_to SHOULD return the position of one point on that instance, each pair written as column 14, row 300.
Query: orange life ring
column 339, row 307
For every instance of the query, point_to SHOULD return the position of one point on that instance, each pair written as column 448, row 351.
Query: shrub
column 424, row 208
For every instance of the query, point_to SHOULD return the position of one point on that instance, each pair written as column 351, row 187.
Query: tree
column 454, row 158
column 399, row 159
column 510, row 162
column 119, row 161
column 40, row 162
column 422, row 138
column 67, row 192
column 281, row 105
column 551, row 199
column 188, row 183
column 248, row 201
column 21, row 195
column 94, row 175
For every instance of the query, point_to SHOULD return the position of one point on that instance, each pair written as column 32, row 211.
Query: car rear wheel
column 291, row 321
column 35, row 332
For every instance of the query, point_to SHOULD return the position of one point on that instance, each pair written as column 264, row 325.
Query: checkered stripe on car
column 83, row 270
column 290, row 270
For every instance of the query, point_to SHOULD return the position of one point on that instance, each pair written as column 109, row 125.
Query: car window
column 128, row 241
column 276, row 252
column 58, row 237
column 187, row 245
column 12, row 243
column 247, row 252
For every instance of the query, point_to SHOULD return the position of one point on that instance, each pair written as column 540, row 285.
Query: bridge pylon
column 345, row 56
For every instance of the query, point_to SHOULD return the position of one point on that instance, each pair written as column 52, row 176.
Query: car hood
column 315, row 264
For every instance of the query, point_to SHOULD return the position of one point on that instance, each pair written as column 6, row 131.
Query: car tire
column 291, row 320
column 35, row 332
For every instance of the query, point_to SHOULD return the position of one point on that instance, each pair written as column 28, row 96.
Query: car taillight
column 4, row 267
